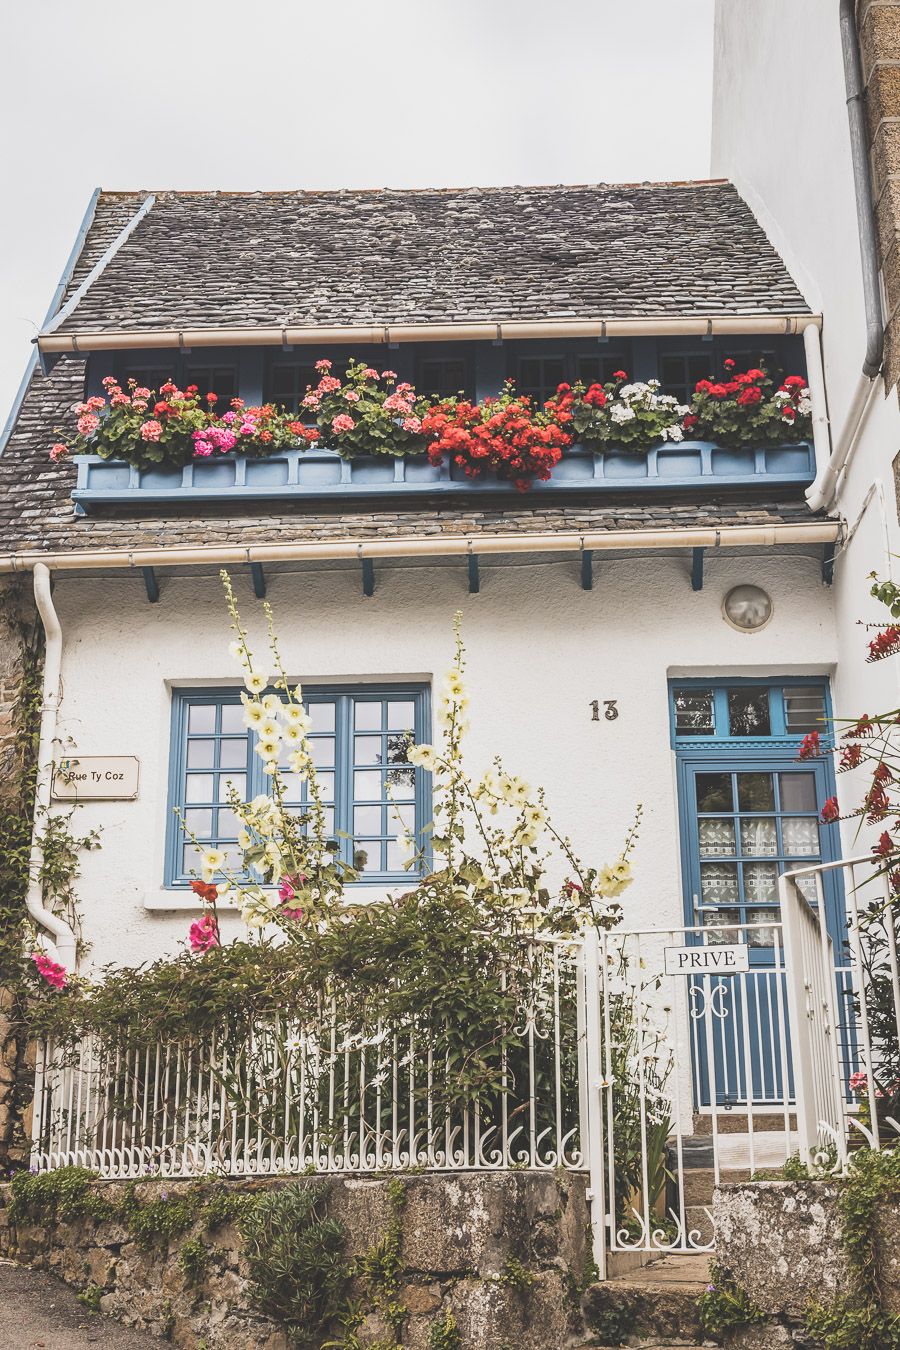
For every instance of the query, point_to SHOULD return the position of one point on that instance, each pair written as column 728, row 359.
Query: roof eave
column 661, row 325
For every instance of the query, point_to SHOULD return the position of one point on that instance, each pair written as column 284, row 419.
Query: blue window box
column 320, row 473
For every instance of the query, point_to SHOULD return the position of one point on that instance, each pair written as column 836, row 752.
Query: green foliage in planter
column 57, row 1197
column 443, row 1334
column 725, row 1304
column 296, row 1262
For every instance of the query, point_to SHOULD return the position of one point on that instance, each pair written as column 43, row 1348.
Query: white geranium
column 622, row 413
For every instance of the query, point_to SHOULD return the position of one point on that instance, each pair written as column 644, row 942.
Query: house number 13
column 610, row 709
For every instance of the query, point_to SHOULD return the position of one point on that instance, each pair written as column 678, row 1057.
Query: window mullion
column 343, row 774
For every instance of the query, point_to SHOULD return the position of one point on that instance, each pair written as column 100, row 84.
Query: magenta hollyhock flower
column 54, row 974
column 204, row 934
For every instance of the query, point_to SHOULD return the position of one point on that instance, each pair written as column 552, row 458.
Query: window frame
column 344, row 697
column 779, row 738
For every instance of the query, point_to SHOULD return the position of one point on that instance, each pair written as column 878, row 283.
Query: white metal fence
column 659, row 1081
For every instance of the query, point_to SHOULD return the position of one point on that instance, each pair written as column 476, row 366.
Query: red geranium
column 505, row 436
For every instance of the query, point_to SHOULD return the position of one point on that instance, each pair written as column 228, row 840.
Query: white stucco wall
column 780, row 132
column 539, row 650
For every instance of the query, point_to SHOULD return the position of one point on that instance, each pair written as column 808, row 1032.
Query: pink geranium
column 342, row 423
column 323, row 364
column 204, row 933
column 58, row 451
column 88, row 424
column 151, row 430
column 54, row 974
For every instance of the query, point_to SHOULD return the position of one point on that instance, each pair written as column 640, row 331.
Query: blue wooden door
column 749, row 810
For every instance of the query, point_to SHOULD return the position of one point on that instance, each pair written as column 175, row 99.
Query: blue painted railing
column 320, row 473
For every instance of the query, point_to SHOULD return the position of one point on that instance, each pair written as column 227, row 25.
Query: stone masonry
column 878, row 22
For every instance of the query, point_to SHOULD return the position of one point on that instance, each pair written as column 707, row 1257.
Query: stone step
column 735, row 1122
column 654, row 1306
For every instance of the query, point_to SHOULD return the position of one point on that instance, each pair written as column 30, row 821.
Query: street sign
column 96, row 777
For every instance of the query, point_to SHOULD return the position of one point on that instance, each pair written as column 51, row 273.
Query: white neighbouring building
column 601, row 663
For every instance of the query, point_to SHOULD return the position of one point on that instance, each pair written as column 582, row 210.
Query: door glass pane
column 719, row 884
column 758, row 836
column 765, row 936
column 760, row 883
column 804, row 710
column 722, row 920
column 798, row 791
column 748, row 712
column 801, row 836
column 694, row 712
column 714, row 792
column 756, row 792
column 716, row 837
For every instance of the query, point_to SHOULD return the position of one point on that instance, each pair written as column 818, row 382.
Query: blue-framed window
column 749, row 808
column 359, row 737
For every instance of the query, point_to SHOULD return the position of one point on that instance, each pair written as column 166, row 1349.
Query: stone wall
column 465, row 1241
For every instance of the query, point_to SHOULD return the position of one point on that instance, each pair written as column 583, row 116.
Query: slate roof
column 273, row 259
column 36, row 512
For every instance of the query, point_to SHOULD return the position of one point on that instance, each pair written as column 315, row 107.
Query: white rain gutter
column 220, row 555
column 63, row 938
column 821, row 493
column 381, row 334
column 815, row 376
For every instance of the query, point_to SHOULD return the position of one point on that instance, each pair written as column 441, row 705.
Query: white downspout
column 815, row 376
column 63, row 939
column 824, row 490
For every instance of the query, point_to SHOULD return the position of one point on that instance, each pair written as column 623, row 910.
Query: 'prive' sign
column 718, row 960
column 87, row 777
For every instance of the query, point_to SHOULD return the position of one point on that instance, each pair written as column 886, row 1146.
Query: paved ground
column 37, row 1312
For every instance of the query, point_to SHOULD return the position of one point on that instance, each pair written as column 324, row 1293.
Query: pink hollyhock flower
column 323, row 364
column 54, row 974
column 412, row 424
column 286, row 893
column 342, row 423
column 204, row 934
column 151, row 430
column 88, row 424
column 351, row 396
column 58, row 451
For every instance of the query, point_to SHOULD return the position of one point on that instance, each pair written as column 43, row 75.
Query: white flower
column 238, row 652
column 212, row 860
column 244, row 839
column 255, row 681
column 272, row 704
column 514, row 790
column 268, row 748
column 804, row 405
column 296, row 716
column 406, row 845
column 622, row 413
column 525, row 838
column 422, row 756
column 299, row 762
column 534, row 816
column 257, row 907
column 269, row 730
column 676, row 433
column 293, row 734
column 254, row 714
column 613, row 880
column 454, row 689
column 270, row 767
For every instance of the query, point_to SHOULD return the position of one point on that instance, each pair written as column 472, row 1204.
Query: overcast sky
column 361, row 93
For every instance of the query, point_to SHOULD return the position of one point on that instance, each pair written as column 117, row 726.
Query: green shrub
column 295, row 1259
column 725, row 1304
